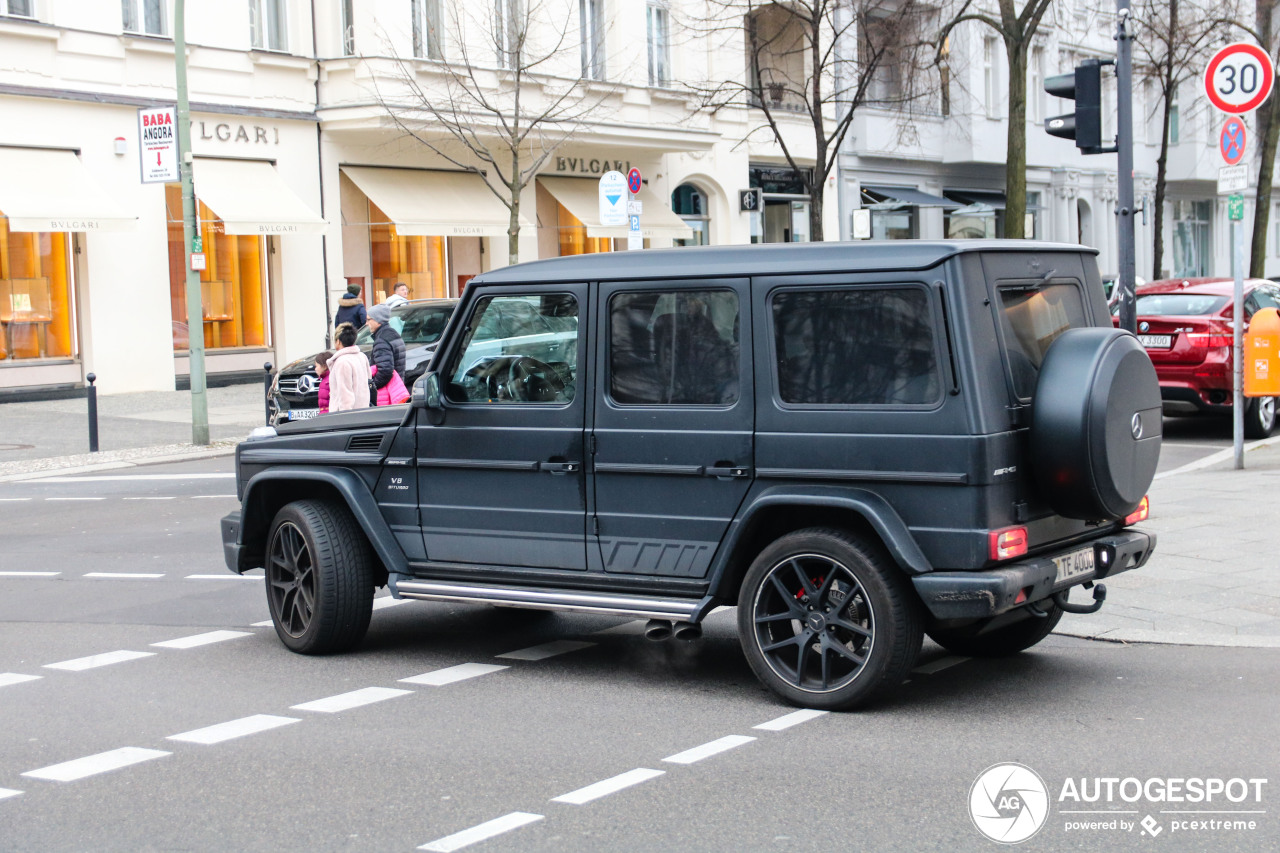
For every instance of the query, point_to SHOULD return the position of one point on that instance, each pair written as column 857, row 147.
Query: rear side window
column 864, row 346
column 1033, row 319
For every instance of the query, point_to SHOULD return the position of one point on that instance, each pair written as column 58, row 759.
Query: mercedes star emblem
column 308, row 383
column 1135, row 426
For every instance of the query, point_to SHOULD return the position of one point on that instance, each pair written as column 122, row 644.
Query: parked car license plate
column 302, row 414
column 1156, row 341
column 1074, row 565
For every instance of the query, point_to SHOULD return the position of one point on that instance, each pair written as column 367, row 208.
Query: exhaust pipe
column 657, row 630
column 688, row 631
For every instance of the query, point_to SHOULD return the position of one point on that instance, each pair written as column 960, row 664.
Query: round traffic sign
column 1239, row 78
column 633, row 181
column 1231, row 141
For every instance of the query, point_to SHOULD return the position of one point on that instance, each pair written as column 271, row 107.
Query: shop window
column 143, row 16
column 266, row 24
column 35, row 295
column 417, row 261
column 690, row 204
column 574, row 239
column 233, row 286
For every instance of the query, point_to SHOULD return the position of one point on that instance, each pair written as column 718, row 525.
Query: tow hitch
column 1060, row 599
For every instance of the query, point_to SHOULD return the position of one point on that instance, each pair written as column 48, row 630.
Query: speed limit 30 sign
column 1239, row 78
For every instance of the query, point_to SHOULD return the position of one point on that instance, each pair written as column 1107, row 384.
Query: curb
column 84, row 463
column 1172, row 638
column 1216, row 458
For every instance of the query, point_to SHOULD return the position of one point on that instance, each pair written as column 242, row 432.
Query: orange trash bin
column 1262, row 355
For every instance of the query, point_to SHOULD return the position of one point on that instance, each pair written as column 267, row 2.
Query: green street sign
column 1235, row 207
column 197, row 243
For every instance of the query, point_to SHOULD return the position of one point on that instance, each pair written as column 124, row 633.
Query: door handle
column 734, row 471
column 559, row 467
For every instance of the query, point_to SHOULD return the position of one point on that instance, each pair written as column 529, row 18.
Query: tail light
column 1209, row 340
column 1007, row 543
column 1142, row 513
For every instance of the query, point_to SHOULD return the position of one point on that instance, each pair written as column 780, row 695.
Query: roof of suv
column 759, row 259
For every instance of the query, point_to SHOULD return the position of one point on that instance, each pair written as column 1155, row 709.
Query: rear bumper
column 979, row 595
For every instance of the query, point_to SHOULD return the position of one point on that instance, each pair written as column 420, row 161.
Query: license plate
column 1074, row 565
column 302, row 414
column 1156, row 341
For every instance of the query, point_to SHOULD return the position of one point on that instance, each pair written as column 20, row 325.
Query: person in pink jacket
column 348, row 373
column 322, row 370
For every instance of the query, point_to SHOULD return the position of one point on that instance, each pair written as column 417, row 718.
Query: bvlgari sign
column 158, row 144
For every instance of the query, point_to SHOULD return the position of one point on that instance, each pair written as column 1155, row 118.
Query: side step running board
column 585, row 601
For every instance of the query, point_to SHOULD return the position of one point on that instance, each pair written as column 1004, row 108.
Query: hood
column 346, row 352
column 350, row 301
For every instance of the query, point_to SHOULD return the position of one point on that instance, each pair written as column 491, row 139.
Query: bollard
column 92, row 394
column 266, row 390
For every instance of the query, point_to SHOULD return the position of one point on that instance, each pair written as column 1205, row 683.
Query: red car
column 1186, row 326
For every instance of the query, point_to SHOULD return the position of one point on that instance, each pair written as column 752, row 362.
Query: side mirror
column 427, row 395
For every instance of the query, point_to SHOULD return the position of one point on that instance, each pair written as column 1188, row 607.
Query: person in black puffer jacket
column 350, row 308
column 388, row 346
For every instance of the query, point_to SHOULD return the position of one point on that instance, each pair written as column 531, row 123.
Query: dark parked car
column 1186, row 326
column 855, row 444
column 294, row 393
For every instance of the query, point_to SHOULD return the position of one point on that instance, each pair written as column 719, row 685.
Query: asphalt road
column 125, row 643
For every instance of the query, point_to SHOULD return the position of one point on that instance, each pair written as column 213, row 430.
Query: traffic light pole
column 1124, row 168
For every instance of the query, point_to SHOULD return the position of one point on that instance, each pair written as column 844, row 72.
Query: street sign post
column 613, row 199
column 1231, row 140
column 1239, row 78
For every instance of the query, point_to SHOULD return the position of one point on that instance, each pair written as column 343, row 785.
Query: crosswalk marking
column 483, row 831
column 92, row 765
column 449, row 675
column 201, row 639
column 234, row 729
column 94, row 661
column 354, row 699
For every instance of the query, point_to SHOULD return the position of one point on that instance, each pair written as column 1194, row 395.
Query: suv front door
column 501, row 480
column 673, row 423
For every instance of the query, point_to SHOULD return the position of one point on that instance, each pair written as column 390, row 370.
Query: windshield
column 419, row 325
column 1181, row 304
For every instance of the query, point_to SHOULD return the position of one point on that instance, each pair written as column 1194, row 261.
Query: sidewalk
column 1214, row 578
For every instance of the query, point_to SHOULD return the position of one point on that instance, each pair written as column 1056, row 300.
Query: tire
column 1259, row 417
column 319, row 578
column 827, row 621
column 1095, row 424
column 1001, row 642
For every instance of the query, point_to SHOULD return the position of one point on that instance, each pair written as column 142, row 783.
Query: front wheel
column 826, row 621
column 319, row 577
column 1259, row 417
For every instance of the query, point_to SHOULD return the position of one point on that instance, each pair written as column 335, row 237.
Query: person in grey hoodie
column 351, row 309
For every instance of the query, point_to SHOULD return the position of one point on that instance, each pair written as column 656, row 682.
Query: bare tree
column 1268, row 131
column 818, row 60
column 511, row 106
column 1173, row 39
column 1016, row 29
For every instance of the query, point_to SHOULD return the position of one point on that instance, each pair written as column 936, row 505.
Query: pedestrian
column 400, row 295
column 322, row 370
column 388, row 351
column 351, row 308
column 348, row 373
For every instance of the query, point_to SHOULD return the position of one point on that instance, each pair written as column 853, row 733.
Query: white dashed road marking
column 124, row 575
column 92, row 661
column 201, row 639
column 715, row 747
column 13, row 500
column 75, row 499
column 28, row 574
column 484, row 831
column 103, row 762
column 939, row 665
column 5, row 793
column 266, row 623
column 232, row 497
column 120, row 477
column 608, row 786
column 788, row 720
column 546, row 650
column 229, row 576
column 354, row 699
column 385, row 601
column 7, row 678
column 449, row 675
column 234, row 729
column 153, row 498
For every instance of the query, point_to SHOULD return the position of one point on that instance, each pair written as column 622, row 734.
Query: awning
column 250, row 197
column 908, row 195
column 581, row 197
column 989, row 198
column 423, row 203
column 46, row 190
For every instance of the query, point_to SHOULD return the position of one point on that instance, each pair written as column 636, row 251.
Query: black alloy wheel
column 825, row 620
column 319, row 578
column 1259, row 417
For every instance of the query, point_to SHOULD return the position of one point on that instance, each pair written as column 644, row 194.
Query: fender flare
column 882, row 517
column 354, row 492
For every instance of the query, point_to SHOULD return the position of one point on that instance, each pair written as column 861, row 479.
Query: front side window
column 518, row 349
column 143, row 16
column 859, row 347
column 266, row 24
column 674, row 348
column 1033, row 318
column 427, row 27
column 659, row 40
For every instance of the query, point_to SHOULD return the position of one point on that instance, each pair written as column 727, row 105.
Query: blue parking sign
column 635, row 223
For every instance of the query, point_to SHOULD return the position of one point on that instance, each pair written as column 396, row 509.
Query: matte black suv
column 855, row 444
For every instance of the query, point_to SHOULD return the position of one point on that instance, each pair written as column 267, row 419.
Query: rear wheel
column 319, row 578
column 1259, row 417
column 1008, row 640
column 826, row 621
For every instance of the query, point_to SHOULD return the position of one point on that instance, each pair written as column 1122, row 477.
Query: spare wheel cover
column 1095, row 424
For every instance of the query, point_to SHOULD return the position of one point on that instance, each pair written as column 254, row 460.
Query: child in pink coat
column 322, row 370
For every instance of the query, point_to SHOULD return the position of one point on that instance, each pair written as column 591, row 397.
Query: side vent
column 367, row 443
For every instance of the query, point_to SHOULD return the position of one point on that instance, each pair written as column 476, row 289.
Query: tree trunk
column 513, row 224
column 1269, row 132
column 1157, row 215
column 1015, row 174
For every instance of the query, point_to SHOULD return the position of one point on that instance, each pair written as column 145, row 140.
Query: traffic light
column 1084, row 86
